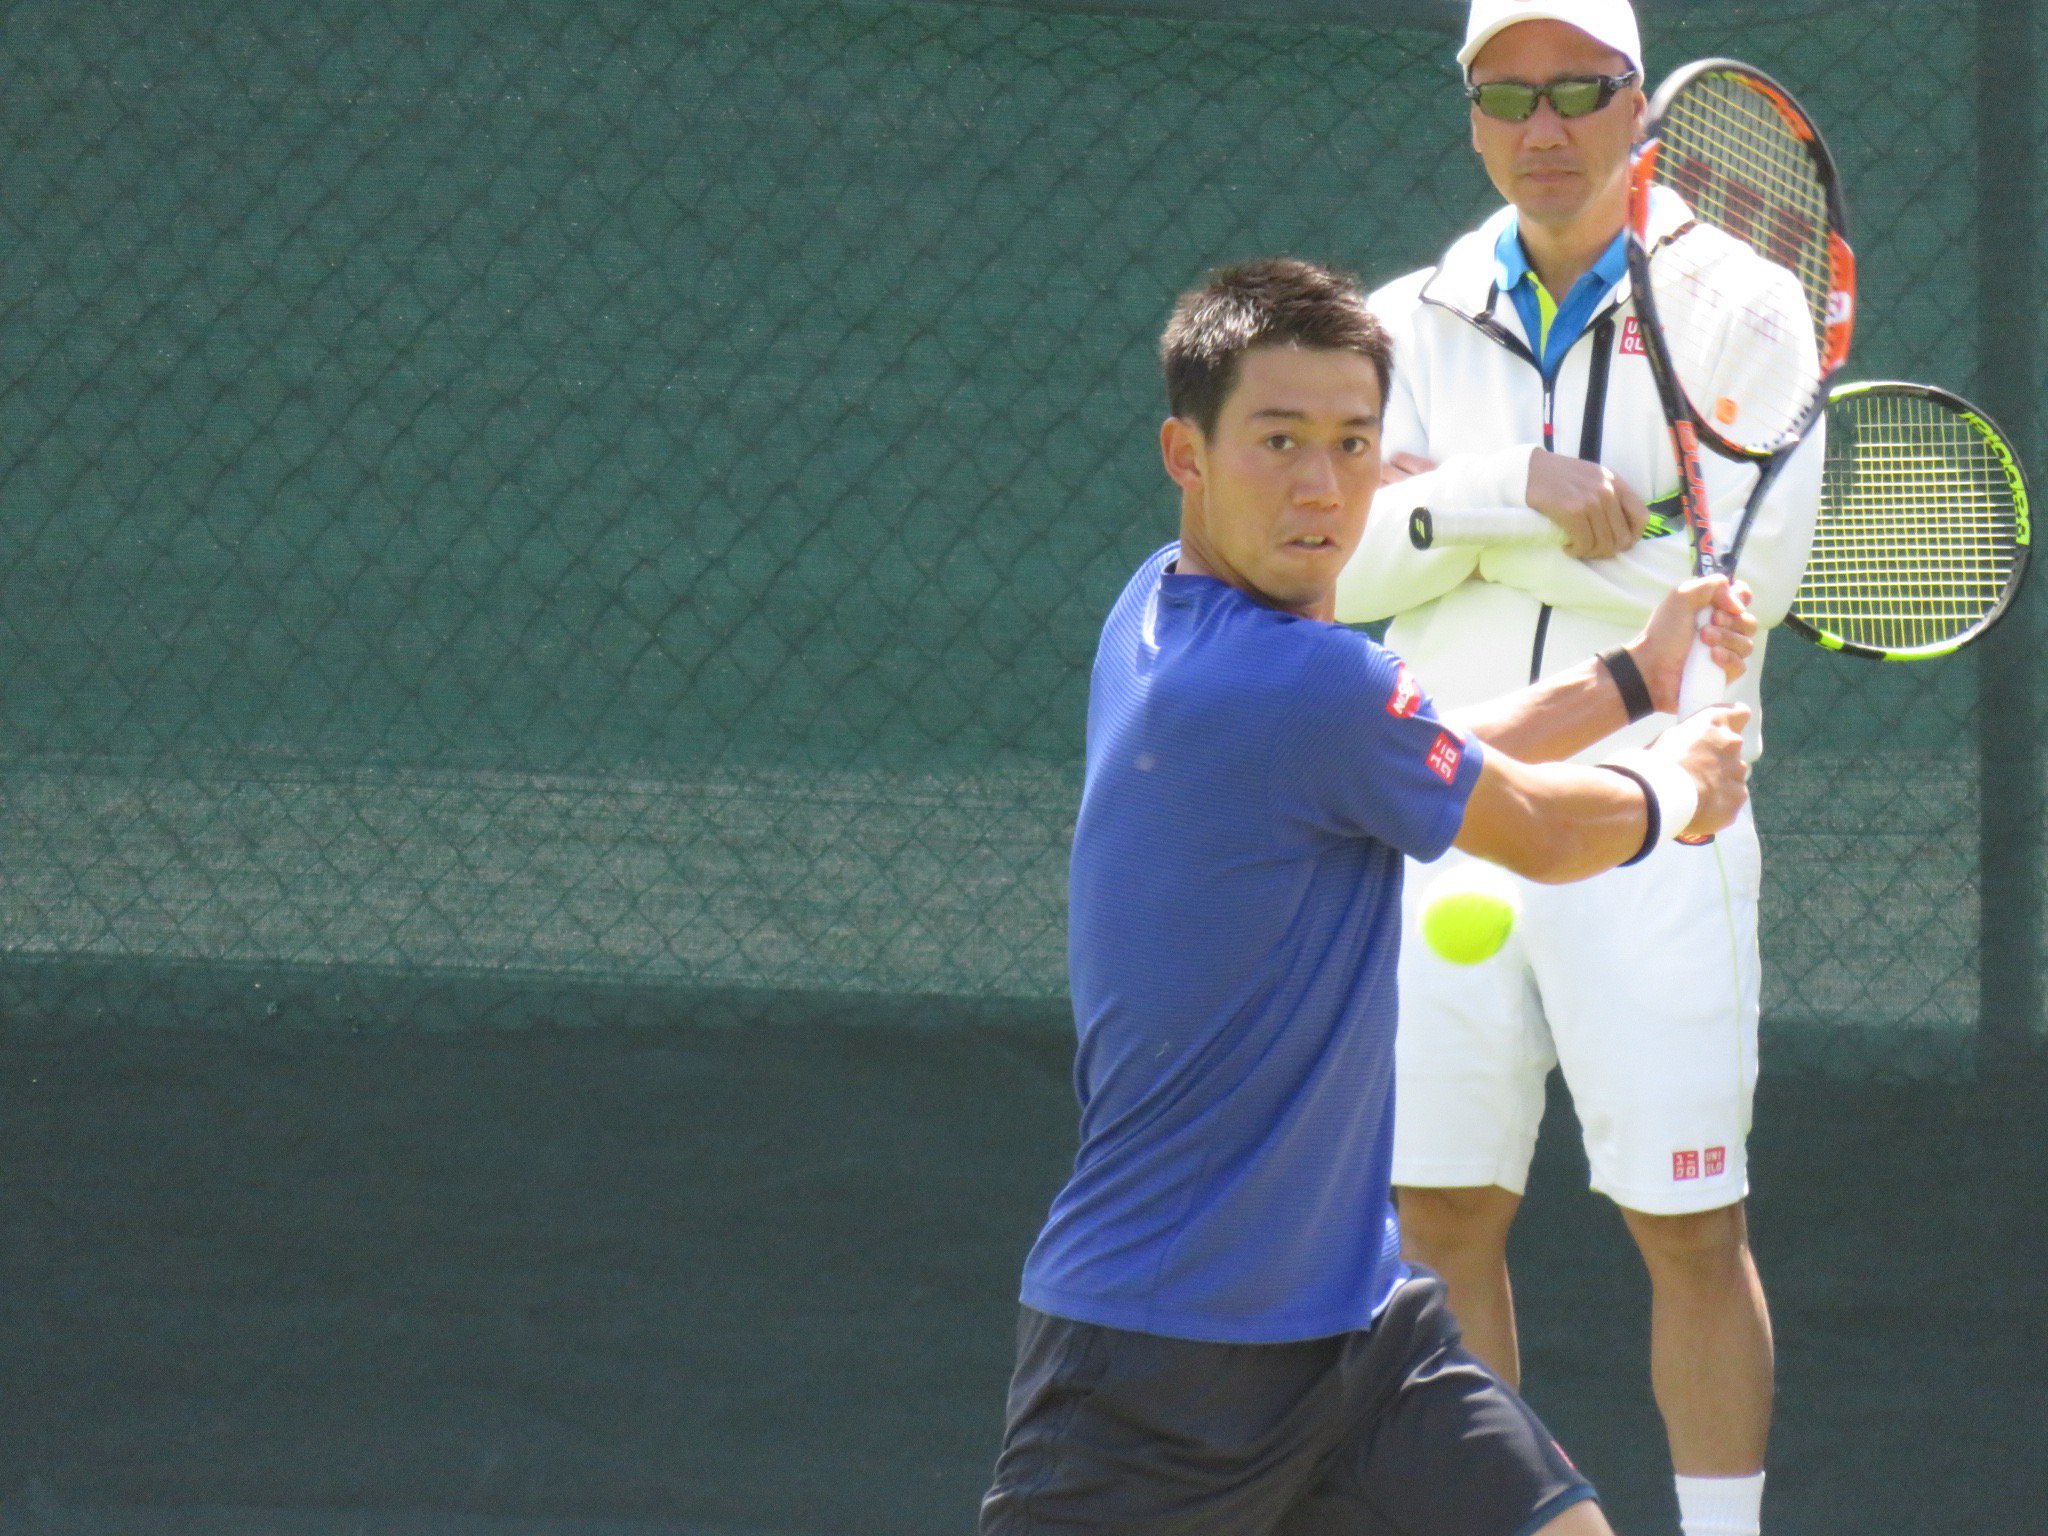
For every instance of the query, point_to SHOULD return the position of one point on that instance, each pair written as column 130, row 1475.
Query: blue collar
column 1519, row 282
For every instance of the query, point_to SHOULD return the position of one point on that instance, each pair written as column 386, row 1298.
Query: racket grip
column 1429, row 529
column 1702, row 682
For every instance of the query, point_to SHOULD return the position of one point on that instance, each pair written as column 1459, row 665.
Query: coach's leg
column 1462, row 1234
column 1710, row 1339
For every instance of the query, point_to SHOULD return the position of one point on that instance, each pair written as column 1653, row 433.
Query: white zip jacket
column 1467, row 394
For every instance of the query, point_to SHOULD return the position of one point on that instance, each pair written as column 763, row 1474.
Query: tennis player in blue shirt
column 1218, row 1332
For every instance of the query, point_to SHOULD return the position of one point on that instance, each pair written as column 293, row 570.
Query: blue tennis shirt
column 1253, row 779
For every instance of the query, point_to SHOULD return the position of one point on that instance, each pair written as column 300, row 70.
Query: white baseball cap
column 1612, row 22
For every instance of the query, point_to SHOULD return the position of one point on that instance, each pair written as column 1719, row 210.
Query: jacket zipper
column 1549, row 446
column 1590, row 434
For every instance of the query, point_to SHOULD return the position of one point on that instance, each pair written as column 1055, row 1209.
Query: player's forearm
column 1562, row 821
column 1552, row 720
column 1554, row 822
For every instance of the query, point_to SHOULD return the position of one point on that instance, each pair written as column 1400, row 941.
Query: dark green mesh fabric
column 514, row 505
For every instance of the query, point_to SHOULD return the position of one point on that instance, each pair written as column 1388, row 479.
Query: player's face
column 1559, row 172
column 1274, row 500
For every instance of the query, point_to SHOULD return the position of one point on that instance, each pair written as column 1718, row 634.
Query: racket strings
column 1918, row 538
column 1732, row 328
column 1729, row 151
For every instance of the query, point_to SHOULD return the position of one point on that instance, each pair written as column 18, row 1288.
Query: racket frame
column 2016, row 481
column 1689, row 429
column 1522, row 527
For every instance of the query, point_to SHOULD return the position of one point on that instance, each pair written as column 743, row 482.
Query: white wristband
column 1672, row 798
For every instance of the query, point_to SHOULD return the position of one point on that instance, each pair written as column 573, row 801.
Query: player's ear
column 1180, row 445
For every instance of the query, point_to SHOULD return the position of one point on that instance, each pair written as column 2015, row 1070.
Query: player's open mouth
column 1313, row 541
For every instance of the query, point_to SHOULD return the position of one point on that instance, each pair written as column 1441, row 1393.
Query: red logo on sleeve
column 1632, row 338
column 1685, row 1165
column 1444, row 756
column 1407, row 696
column 1717, row 1161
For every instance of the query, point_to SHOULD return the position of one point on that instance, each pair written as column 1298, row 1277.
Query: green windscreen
column 510, row 511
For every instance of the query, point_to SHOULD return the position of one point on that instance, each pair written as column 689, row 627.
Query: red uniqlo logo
column 1632, row 338
column 1407, row 696
column 1445, row 755
column 1717, row 1161
column 1685, row 1165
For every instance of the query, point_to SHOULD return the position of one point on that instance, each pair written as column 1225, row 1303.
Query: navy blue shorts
column 1395, row 1431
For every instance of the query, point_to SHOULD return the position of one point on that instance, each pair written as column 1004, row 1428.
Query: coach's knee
column 1699, row 1248
column 1449, row 1228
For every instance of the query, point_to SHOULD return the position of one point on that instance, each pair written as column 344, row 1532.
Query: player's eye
column 1279, row 442
column 1356, row 446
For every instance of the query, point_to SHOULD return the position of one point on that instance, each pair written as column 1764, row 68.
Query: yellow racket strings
column 1730, row 153
column 1917, row 531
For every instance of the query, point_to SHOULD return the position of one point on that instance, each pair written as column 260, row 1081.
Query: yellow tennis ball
column 1468, row 913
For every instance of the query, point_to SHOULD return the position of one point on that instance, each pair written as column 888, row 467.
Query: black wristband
column 1653, row 814
column 1628, row 678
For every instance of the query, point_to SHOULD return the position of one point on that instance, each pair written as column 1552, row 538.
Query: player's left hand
column 1729, row 633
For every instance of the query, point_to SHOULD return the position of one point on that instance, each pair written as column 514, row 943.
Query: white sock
column 1721, row 1506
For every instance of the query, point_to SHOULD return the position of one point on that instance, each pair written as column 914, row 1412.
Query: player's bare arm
column 1563, row 715
column 1555, row 822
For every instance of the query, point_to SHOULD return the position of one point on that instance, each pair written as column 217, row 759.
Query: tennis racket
column 1924, row 530
column 1923, row 533
column 1745, row 296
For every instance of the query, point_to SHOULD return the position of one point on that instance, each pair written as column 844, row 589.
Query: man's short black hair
column 1275, row 302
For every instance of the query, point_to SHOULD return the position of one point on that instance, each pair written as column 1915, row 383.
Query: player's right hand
column 1600, row 512
column 1709, row 746
column 1708, row 609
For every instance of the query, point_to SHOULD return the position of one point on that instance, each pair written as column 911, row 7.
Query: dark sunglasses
column 1513, row 101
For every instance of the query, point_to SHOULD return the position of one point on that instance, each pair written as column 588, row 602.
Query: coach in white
column 1520, row 379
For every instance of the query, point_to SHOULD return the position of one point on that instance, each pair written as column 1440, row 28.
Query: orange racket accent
column 1787, row 108
column 1841, row 302
column 1641, row 177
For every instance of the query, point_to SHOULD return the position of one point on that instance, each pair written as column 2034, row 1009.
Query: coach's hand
column 1600, row 513
column 1709, row 746
column 1396, row 467
column 1729, row 633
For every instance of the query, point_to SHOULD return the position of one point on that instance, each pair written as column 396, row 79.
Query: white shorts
column 1641, row 984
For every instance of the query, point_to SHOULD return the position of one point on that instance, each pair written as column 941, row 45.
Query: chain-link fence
column 539, row 511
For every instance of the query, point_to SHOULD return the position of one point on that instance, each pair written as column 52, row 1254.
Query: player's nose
column 1316, row 483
